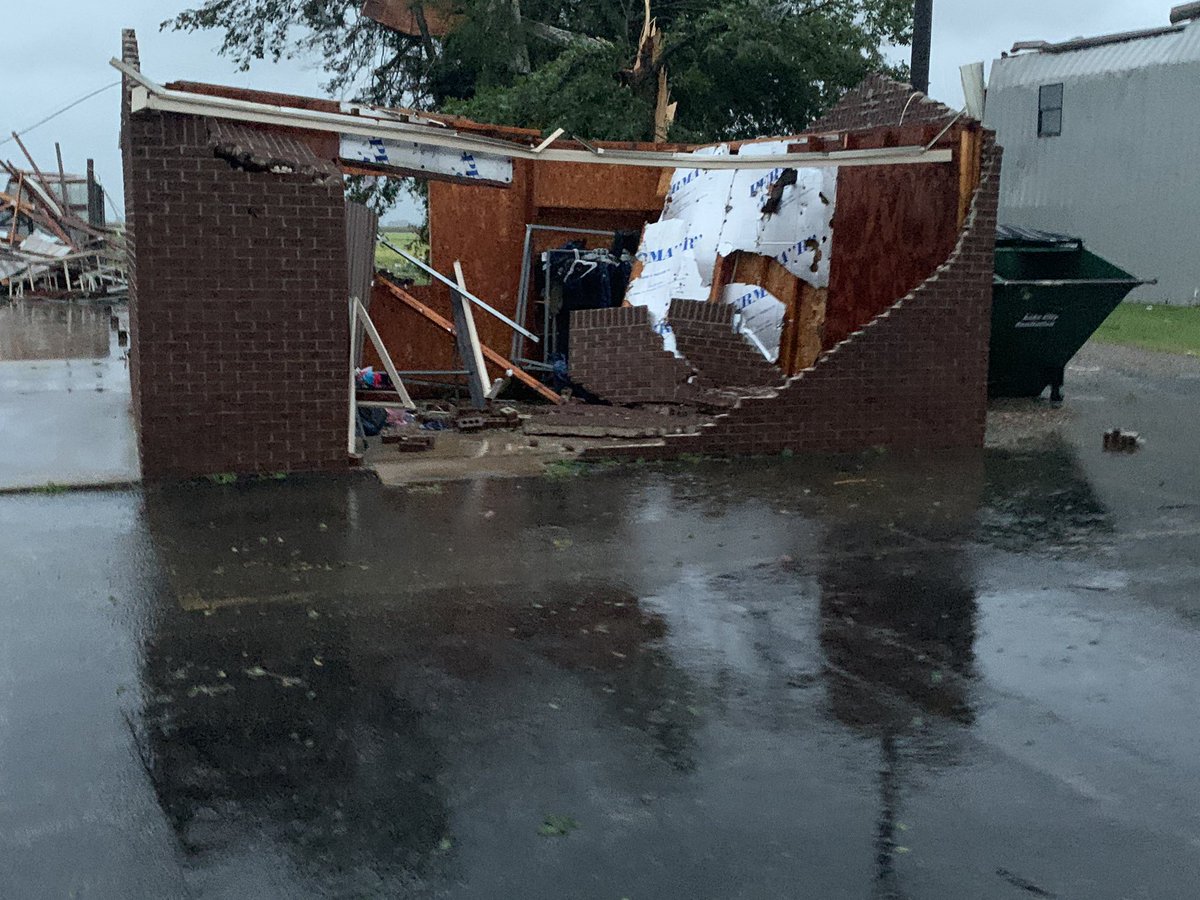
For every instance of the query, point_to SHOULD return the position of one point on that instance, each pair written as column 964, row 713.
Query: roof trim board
column 148, row 95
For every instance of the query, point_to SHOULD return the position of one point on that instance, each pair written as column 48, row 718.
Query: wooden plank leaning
column 397, row 385
column 467, row 339
column 491, row 355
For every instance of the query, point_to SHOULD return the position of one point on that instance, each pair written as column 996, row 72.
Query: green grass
column 1170, row 329
column 394, row 263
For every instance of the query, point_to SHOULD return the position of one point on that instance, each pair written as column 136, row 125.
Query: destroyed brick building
column 825, row 291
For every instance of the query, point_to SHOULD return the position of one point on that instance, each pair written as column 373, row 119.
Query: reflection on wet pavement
column 759, row 680
column 44, row 330
column 65, row 411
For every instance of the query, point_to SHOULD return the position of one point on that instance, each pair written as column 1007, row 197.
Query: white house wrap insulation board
column 715, row 212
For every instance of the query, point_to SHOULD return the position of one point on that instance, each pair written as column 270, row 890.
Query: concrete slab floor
column 948, row 677
column 458, row 456
column 64, row 397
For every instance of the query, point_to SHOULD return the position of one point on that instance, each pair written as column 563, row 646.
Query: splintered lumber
column 62, row 179
column 491, row 355
column 49, row 206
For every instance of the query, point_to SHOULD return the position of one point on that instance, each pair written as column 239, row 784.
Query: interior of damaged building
column 618, row 300
column 474, row 449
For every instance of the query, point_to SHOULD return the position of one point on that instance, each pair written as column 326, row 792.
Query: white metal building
column 1101, row 140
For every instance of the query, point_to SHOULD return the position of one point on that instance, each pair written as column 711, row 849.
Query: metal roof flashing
column 1041, row 62
column 1086, row 43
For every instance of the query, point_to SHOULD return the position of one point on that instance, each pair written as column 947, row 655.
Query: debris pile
column 54, row 240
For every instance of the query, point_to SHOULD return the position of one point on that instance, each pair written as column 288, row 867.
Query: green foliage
column 565, row 468
column 737, row 68
column 575, row 91
column 397, row 265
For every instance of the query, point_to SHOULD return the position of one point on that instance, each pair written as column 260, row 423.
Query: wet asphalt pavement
column 880, row 677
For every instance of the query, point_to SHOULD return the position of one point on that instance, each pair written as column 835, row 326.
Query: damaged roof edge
column 148, row 95
column 1086, row 43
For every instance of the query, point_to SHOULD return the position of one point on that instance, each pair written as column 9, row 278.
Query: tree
column 737, row 68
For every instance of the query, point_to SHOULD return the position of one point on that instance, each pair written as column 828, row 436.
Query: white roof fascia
column 163, row 100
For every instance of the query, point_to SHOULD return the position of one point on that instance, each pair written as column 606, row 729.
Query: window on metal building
column 1050, row 107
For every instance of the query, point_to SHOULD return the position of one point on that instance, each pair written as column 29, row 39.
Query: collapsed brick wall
column 721, row 357
column 238, row 298
column 618, row 356
column 881, row 101
column 913, row 378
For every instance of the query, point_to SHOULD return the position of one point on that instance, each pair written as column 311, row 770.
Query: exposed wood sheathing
column 894, row 226
column 804, row 320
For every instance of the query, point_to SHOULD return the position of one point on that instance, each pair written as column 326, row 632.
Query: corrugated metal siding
column 1122, row 173
column 1035, row 68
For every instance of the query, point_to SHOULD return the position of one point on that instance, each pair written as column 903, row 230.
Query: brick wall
column 913, row 378
column 238, row 307
column 616, row 355
column 721, row 357
column 881, row 101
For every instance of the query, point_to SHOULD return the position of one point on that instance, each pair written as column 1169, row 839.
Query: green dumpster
column 1049, row 295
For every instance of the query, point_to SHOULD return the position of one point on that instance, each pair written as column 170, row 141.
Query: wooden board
column 559, row 185
column 893, row 227
column 445, row 325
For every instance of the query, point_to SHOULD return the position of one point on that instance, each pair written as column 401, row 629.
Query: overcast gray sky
column 65, row 45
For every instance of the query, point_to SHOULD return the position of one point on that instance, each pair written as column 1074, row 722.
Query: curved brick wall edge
column 913, row 377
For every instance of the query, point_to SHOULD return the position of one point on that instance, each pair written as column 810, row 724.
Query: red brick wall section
column 616, row 355
column 239, row 351
column 913, row 378
column 722, row 357
column 880, row 101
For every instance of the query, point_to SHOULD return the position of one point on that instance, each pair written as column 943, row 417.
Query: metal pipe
column 453, row 285
column 563, row 229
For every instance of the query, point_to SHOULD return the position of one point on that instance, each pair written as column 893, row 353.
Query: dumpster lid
column 1016, row 235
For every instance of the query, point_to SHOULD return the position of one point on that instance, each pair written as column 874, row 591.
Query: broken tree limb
column 447, row 326
column 563, row 38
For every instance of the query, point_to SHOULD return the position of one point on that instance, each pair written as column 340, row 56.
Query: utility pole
column 922, row 35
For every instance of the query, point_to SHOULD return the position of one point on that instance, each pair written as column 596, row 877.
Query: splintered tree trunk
column 511, row 9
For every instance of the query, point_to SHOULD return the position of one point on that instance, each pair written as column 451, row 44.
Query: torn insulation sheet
column 713, row 213
column 668, row 272
column 762, row 314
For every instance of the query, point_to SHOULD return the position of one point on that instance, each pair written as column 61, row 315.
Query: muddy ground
column 969, row 676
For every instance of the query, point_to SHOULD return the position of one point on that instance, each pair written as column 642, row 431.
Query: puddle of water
column 41, row 330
